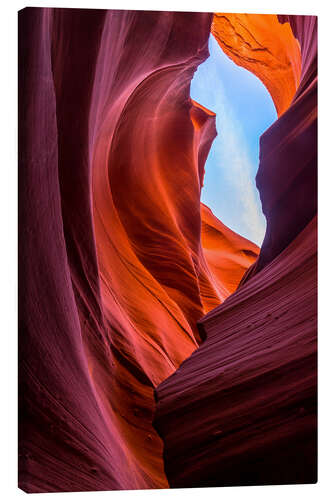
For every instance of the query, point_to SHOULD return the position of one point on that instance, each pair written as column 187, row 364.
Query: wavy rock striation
column 242, row 409
column 117, row 259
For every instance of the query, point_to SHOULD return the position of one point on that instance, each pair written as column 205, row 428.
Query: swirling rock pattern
column 117, row 258
column 242, row 409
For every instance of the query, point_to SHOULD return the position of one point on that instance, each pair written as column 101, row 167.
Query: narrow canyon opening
column 244, row 110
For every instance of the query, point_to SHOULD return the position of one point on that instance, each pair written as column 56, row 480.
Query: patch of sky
column 244, row 110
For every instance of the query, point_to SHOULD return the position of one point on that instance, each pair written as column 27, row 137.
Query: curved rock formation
column 242, row 409
column 228, row 267
column 113, row 275
column 265, row 47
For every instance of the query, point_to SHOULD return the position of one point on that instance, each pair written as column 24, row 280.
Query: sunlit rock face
column 242, row 409
column 229, row 267
column 265, row 47
column 118, row 260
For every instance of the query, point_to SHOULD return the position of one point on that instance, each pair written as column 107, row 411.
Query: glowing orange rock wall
column 229, row 267
column 259, row 43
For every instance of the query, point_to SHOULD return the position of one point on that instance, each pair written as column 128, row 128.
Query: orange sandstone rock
column 264, row 46
column 227, row 253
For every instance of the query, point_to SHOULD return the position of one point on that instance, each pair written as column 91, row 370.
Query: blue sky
column 244, row 110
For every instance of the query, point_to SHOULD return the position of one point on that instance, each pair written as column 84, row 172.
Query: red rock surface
column 117, row 260
column 242, row 409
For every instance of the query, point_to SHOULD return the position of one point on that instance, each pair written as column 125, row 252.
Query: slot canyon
column 157, row 347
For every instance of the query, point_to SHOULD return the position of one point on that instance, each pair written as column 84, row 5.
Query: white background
column 8, row 246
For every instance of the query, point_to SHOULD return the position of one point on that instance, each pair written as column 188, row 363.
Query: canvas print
column 167, row 249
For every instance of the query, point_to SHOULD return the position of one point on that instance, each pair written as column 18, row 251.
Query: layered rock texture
column 242, row 409
column 117, row 258
column 264, row 46
column 123, row 273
